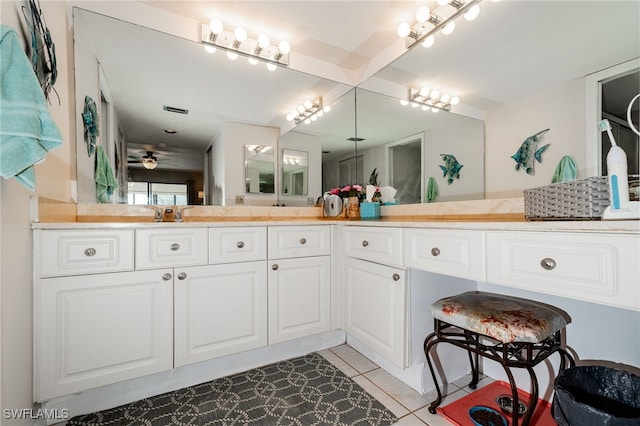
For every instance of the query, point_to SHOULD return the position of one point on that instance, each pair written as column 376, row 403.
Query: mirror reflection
column 294, row 172
column 259, row 169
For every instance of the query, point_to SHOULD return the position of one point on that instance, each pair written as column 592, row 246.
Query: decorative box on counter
column 369, row 210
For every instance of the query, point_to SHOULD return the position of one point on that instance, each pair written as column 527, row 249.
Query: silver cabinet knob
column 303, row 241
column 275, row 266
column 396, row 277
column 435, row 251
column 548, row 263
column 182, row 276
column 240, row 244
column 175, row 247
column 90, row 252
column 166, row 276
column 365, row 243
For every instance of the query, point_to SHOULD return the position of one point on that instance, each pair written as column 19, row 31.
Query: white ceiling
column 513, row 49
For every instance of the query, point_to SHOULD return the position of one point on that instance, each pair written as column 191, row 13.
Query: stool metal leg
column 429, row 343
column 472, row 341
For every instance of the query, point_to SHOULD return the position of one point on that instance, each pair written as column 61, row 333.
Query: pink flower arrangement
column 348, row 191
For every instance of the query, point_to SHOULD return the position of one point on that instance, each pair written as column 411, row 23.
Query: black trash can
column 596, row 395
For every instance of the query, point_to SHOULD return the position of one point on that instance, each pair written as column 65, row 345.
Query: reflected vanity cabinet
column 376, row 291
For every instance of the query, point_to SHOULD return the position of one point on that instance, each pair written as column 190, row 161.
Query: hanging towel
column 432, row 190
column 27, row 131
column 106, row 181
column 566, row 170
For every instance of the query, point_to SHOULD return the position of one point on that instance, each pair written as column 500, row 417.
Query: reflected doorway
column 405, row 169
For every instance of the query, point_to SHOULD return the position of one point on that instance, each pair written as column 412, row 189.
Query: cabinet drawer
column 596, row 268
column 299, row 241
column 376, row 244
column 227, row 245
column 459, row 253
column 79, row 252
column 171, row 247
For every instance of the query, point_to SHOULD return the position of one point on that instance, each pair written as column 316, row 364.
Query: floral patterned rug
column 302, row 391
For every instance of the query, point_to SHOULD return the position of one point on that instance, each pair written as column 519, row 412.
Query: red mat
column 458, row 411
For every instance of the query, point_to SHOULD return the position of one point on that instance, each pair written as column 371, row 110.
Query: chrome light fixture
column 428, row 22
column 149, row 161
column 307, row 112
column 430, row 99
column 238, row 42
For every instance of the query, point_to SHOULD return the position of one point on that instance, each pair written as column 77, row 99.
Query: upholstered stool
column 513, row 331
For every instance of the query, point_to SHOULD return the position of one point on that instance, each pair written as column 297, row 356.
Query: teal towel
column 27, row 131
column 106, row 181
column 432, row 190
column 566, row 170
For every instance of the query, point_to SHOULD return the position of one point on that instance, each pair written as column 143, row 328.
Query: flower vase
column 353, row 208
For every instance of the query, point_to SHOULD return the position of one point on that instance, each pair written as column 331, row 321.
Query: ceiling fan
column 149, row 161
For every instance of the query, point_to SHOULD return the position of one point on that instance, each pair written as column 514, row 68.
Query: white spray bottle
column 617, row 171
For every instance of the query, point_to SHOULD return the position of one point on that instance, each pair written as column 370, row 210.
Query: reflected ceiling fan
column 149, row 161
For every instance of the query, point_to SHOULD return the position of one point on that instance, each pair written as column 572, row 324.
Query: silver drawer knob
column 182, row 276
column 90, row 252
column 166, row 276
column 275, row 267
column 365, row 243
column 548, row 263
column 435, row 251
column 303, row 241
column 175, row 247
column 396, row 277
column 240, row 244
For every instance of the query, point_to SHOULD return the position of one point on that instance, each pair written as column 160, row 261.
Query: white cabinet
column 592, row 267
column 237, row 244
column 376, row 244
column 159, row 248
column 219, row 310
column 299, row 281
column 101, row 329
column 459, row 253
column 376, row 311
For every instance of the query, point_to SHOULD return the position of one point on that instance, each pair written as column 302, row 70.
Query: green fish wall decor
column 451, row 168
column 529, row 152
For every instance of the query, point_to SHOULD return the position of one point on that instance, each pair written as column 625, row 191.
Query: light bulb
column 428, row 41
column 215, row 26
column 327, row 108
column 271, row 67
column 449, row 28
column 425, row 108
column 414, row 105
column 301, row 109
column 209, row 48
column 263, row 41
column 434, row 110
column 232, row 55
column 295, row 113
column 434, row 95
column 307, row 121
column 404, row 102
column 284, row 47
column 424, row 92
column 443, row 2
column 423, row 14
column 445, row 98
column 253, row 61
column 240, row 34
column 308, row 104
column 472, row 13
column 313, row 117
column 320, row 113
column 290, row 117
column 455, row 100
column 404, row 30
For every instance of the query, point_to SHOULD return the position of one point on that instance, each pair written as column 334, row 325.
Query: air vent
column 176, row 110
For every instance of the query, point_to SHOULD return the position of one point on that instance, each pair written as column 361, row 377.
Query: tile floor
column 408, row 405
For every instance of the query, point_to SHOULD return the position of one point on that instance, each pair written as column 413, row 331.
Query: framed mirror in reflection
column 295, row 172
column 259, row 169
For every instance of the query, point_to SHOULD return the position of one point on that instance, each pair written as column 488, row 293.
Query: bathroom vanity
column 124, row 311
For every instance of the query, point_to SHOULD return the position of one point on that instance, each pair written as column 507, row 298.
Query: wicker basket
column 582, row 199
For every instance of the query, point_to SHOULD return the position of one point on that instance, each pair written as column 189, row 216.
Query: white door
column 219, row 310
column 100, row 329
column 376, row 309
column 299, row 297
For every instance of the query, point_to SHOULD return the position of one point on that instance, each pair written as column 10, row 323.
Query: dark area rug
column 302, row 391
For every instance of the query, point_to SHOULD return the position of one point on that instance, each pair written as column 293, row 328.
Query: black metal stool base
column 514, row 354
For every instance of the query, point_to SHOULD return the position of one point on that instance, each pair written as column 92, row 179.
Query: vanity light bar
column 431, row 99
column 428, row 23
column 308, row 112
column 238, row 43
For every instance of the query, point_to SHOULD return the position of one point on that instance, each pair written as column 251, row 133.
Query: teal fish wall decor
column 451, row 168
column 529, row 152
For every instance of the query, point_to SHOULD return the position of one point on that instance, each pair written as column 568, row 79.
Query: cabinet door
column 94, row 330
column 299, row 297
column 219, row 310
column 376, row 308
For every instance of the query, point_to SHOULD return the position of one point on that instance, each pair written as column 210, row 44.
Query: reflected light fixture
column 307, row 112
column 238, row 42
column 441, row 18
column 149, row 161
column 430, row 99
